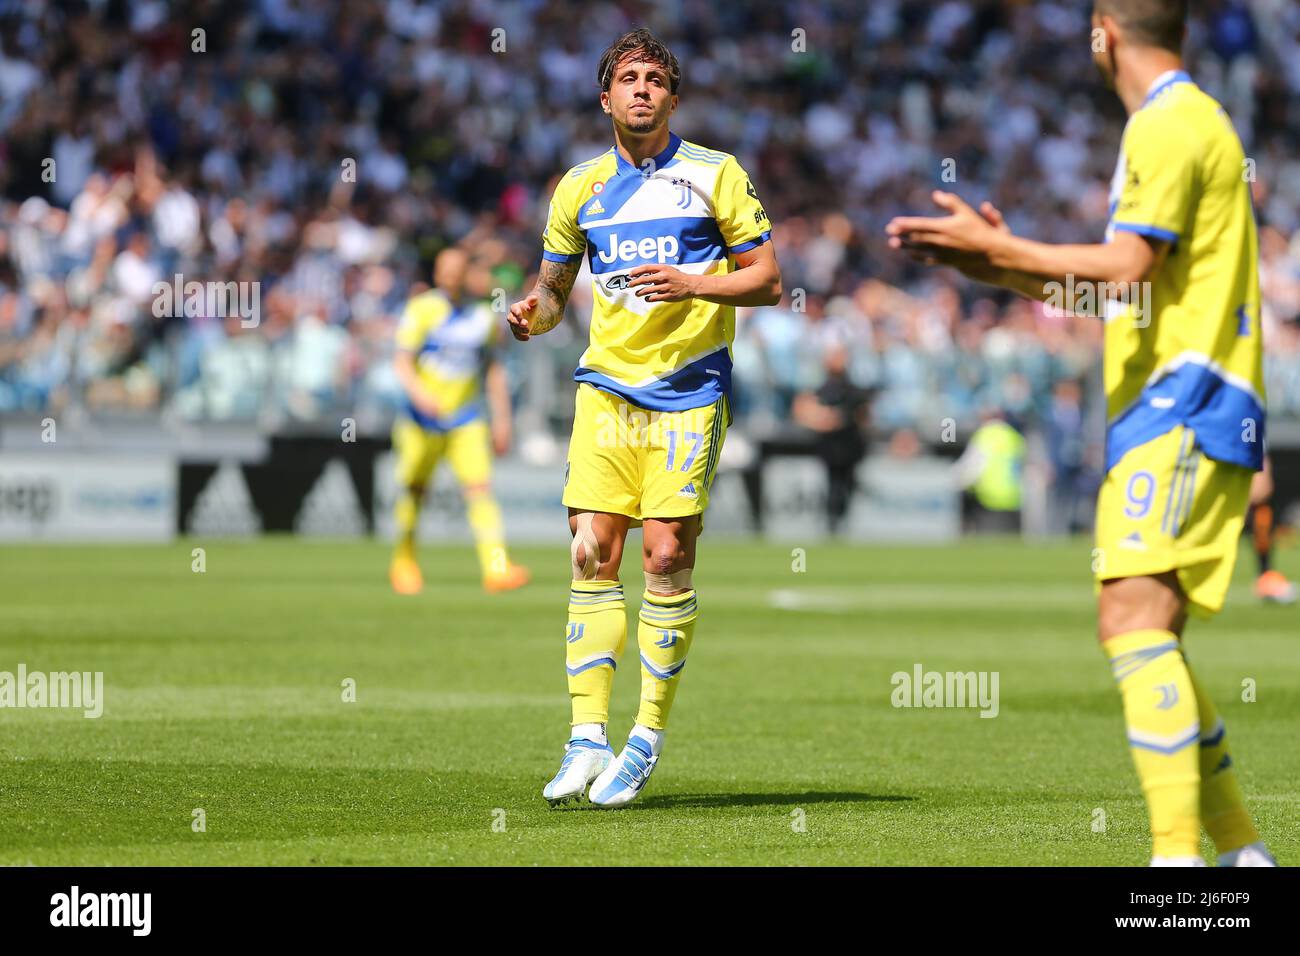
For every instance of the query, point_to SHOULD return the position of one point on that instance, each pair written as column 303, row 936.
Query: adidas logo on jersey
column 595, row 209
column 688, row 491
column 1133, row 542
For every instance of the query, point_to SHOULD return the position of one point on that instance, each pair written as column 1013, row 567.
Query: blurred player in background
column 1271, row 585
column 676, row 239
column 444, row 361
column 1185, row 400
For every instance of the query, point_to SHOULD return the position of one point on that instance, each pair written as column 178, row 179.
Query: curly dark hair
column 648, row 49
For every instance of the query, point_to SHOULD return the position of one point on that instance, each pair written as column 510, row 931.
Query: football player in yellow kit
column 444, row 359
column 1179, row 292
column 676, row 238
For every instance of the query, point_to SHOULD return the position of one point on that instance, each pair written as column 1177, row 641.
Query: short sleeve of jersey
column 1159, row 180
column 741, row 217
column 417, row 321
column 562, row 240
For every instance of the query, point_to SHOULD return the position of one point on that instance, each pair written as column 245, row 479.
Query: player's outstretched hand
column 954, row 240
column 993, row 216
column 661, row 283
column 962, row 230
column 521, row 316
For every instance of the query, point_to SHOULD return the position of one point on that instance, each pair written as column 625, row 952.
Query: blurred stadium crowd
column 218, row 140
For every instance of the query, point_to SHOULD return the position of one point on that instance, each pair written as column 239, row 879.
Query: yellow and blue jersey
column 1195, row 357
column 452, row 344
column 690, row 207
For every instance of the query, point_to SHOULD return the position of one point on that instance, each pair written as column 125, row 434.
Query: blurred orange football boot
column 1273, row 586
column 405, row 576
column 514, row 576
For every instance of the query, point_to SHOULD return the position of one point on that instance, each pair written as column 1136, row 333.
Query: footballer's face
column 449, row 270
column 639, row 98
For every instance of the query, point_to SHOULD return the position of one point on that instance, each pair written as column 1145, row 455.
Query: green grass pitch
column 224, row 691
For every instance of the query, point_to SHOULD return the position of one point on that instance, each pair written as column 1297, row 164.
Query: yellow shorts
column 466, row 448
column 629, row 460
column 1166, row 507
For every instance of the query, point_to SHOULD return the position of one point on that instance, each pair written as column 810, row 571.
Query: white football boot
column 622, row 780
column 1177, row 861
column 1252, row 854
column 583, row 761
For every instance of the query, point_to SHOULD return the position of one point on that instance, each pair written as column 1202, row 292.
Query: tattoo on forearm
column 554, row 283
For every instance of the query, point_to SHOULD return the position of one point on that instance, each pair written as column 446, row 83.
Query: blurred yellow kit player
column 1185, row 402
column 444, row 343
column 676, row 238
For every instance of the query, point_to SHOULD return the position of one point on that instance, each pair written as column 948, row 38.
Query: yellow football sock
column 1223, row 809
column 595, row 639
column 1160, row 710
column 489, row 536
column 406, row 515
column 664, row 632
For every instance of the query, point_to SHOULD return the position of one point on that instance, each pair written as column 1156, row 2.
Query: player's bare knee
column 663, row 557
column 1110, row 621
column 1140, row 604
column 1115, row 613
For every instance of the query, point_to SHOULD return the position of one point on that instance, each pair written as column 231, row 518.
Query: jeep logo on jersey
column 658, row 248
